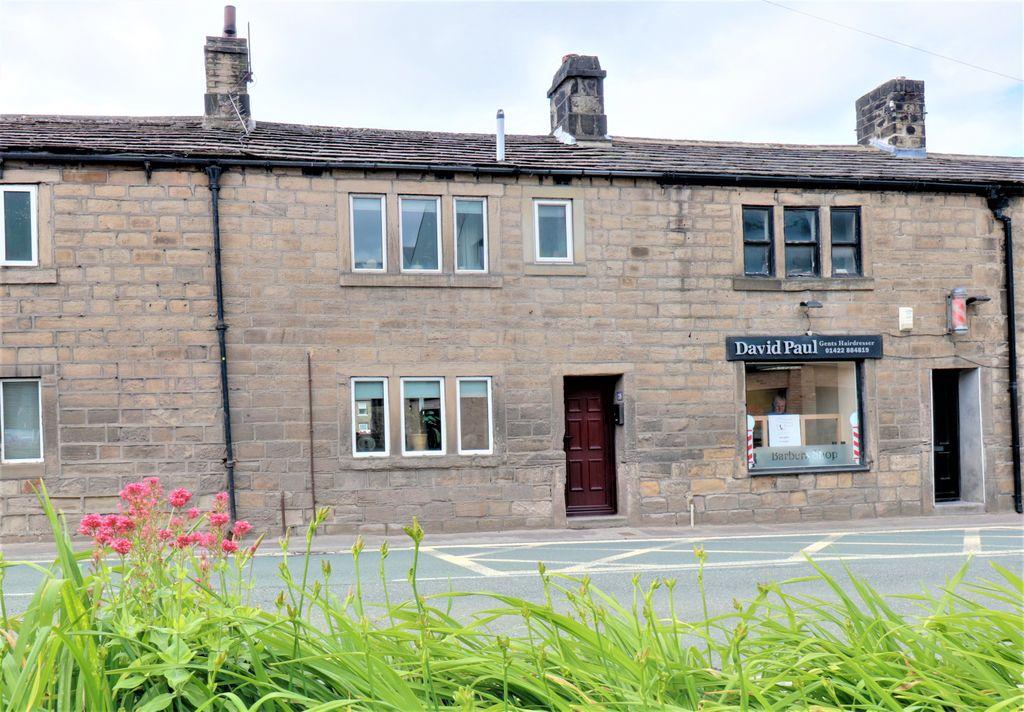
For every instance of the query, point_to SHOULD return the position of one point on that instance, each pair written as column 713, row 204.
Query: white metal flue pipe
column 500, row 144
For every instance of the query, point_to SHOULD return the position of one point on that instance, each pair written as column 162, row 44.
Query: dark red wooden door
column 589, row 447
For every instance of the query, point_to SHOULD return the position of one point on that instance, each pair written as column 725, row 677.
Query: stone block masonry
column 119, row 328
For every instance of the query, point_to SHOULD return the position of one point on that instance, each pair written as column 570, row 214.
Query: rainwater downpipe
column 213, row 174
column 997, row 203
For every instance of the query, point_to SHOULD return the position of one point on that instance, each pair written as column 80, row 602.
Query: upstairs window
column 758, row 239
column 553, row 230
column 21, row 426
column 802, row 248
column 846, row 260
column 20, row 245
column 420, row 226
column 470, row 235
column 369, row 245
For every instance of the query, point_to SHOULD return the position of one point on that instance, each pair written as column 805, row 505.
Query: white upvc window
column 21, row 421
column 419, row 227
column 470, row 234
column 552, row 229
column 19, row 225
column 368, row 225
column 423, row 417
column 370, row 423
column 475, row 422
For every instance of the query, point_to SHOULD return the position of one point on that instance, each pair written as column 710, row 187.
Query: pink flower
column 218, row 519
column 121, row 546
column 176, row 522
column 193, row 513
column 90, row 523
column 221, row 498
column 164, row 534
column 228, row 546
column 241, row 528
column 123, row 525
column 179, row 497
column 134, row 490
column 183, row 541
column 205, row 539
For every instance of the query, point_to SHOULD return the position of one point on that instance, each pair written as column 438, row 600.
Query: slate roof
column 185, row 137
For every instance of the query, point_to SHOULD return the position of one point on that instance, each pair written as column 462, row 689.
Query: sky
column 725, row 71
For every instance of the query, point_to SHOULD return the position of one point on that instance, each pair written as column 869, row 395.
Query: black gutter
column 213, row 174
column 665, row 178
column 997, row 203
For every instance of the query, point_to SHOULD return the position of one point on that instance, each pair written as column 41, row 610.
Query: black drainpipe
column 213, row 173
column 997, row 203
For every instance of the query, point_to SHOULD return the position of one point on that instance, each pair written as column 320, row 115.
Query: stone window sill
column 803, row 284
column 555, row 270
column 458, row 280
column 433, row 462
column 809, row 470
column 22, row 470
column 28, row 275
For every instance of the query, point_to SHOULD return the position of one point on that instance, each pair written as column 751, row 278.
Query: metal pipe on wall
column 213, row 174
column 309, row 387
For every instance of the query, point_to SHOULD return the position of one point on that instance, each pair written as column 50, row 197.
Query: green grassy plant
column 86, row 642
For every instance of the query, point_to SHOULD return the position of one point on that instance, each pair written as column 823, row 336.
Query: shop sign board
column 817, row 347
column 768, row 458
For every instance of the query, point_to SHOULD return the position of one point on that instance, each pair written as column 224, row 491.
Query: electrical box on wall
column 906, row 318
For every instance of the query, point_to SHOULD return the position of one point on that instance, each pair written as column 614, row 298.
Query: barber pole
column 750, row 441
column 855, row 425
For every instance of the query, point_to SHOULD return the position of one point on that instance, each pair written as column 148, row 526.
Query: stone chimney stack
column 227, row 78
column 577, row 100
column 891, row 117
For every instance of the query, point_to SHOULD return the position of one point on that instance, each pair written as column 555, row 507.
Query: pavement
column 897, row 556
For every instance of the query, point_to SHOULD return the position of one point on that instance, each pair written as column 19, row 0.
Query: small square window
column 475, row 422
column 846, row 257
column 553, row 230
column 801, row 233
column 21, row 425
column 423, row 422
column 19, row 225
column 370, row 417
column 420, row 227
column 470, row 235
column 369, row 243
column 758, row 242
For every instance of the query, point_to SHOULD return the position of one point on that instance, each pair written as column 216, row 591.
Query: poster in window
column 784, row 431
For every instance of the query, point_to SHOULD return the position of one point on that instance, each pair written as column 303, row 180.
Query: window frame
column 770, row 243
column 383, row 230
column 3, row 440
column 857, row 244
column 444, row 420
column 387, row 418
column 438, row 236
column 816, row 244
column 33, row 198
column 458, row 416
column 570, row 257
column 860, row 387
column 455, row 234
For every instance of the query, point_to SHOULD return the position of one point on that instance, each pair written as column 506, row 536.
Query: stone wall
column 119, row 326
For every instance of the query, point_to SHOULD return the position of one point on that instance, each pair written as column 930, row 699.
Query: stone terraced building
column 498, row 332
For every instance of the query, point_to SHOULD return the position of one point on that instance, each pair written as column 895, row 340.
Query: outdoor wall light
column 811, row 305
column 978, row 299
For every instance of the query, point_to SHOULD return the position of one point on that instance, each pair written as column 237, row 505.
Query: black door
column 946, row 434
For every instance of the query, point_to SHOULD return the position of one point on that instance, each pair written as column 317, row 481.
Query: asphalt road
column 895, row 561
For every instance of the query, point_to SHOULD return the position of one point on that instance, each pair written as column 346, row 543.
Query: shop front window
column 803, row 415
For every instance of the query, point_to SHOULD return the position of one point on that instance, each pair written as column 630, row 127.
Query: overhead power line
column 896, row 42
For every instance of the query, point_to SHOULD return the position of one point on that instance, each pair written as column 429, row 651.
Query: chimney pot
column 229, row 21
column 891, row 117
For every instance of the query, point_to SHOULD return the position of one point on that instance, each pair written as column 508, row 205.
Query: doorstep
column 959, row 508
column 602, row 521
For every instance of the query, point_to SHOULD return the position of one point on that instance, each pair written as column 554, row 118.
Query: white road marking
column 972, row 541
column 815, row 547
column 463, row 561
column 731, row 564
